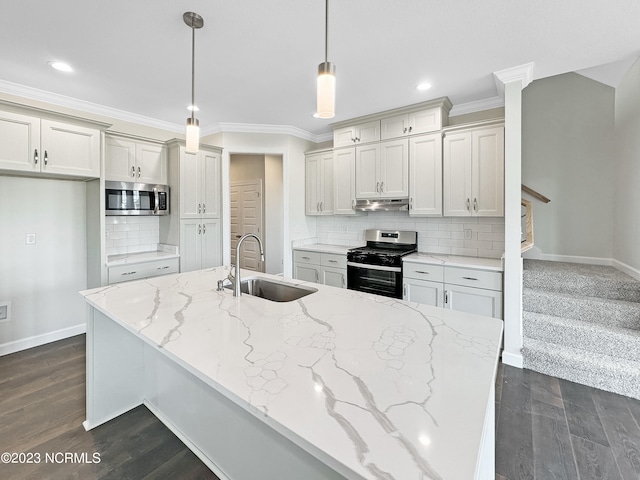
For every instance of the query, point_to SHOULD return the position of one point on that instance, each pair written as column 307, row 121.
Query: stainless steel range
column 377, row 267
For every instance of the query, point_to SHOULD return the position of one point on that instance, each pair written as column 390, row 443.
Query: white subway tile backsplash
column 131, row 234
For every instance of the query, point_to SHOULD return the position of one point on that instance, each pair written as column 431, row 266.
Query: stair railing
column 526, row 229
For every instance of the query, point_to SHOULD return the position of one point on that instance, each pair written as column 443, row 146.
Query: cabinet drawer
column 334, row 260
column 421, row 271
column 471, row 277
column 302, row 256
column 125, row 273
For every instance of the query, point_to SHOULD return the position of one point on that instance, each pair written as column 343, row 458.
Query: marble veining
column 455, row 261
column 385, row 389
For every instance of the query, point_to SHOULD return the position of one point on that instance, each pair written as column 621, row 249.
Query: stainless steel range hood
column 383, row 205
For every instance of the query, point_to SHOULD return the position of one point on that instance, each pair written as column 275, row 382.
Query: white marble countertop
column 164, row 252
column 482, row 263
column 380, row 387
column 324, row 248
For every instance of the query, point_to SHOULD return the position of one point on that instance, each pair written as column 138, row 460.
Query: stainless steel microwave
column 128, row 198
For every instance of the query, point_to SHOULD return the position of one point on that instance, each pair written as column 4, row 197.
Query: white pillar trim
column 524, row 73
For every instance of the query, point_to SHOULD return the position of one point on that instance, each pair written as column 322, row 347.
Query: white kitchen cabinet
column 200, row 177
column 412, row 123
column 425, row 175
column 382, row 170
column 124, row 273
column 473, row 172
column 200, row 244
column 357, row 134
column 344, row 181
column 320, row 267
column 35, row 145
column 319, row 183
column 464, row 289
column 135, row 160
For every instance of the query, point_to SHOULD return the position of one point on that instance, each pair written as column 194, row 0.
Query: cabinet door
column 312, row 184
column 344, row 137
column 190, row 245
column 367, row 167
column 425, row 121
column 488, row 172
column 422, row 291
column 425, row 175
column 457, row 174
column 190, row 185
column 210, row 184
column 368, row 132
column 120, row 161
column 19, row 142
column 326, row 184
column 335, row 277
column 473, row 300
column 151, row 164
column 70, row 149
column 394, row 127
column 394, row 168
column 211, row 250
column 344, row 181
column 306, row 272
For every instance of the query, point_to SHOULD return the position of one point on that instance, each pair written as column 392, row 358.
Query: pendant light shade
column 192, row 134
column 326, row 93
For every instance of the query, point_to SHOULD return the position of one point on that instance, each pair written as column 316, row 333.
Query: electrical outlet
column 5, row 311
column 467, row 234
column 30, row 239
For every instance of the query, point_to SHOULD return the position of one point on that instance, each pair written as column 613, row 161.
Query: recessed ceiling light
column 423, row 86
column 193, row 108
column 61, row 66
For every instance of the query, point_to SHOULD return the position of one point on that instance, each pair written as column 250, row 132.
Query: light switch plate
column 30, row 239
column 5, row 311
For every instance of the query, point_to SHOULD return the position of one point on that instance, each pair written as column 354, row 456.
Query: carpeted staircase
column 582, row 323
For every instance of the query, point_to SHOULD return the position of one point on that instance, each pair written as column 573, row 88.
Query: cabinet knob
column 381, row 187
column 199, row 208
column 404, row 130
column 378, row 187
column 475, row 205
column 133, row 172
column 46, row 158
column 204, row 208
column 138, row 172
column 411, row 203
column 468, row 205
column 410, row 128
column 404, row 290
column 199, row 229
column 35, row 157
column 470, row 278
column 204, row 228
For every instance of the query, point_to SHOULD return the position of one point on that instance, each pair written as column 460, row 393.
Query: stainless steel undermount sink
column 274, row 291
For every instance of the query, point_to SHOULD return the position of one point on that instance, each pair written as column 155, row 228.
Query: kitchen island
column 338, row 384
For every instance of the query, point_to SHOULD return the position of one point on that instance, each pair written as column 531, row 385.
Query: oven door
column 380, row 280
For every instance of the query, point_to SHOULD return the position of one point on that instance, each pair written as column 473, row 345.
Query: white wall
column 42, row 281
column 568, row 155
column 627, row 182
column 274, row 213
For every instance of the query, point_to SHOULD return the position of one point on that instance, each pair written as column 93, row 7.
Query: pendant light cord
column 193, row 70
column 326, row 31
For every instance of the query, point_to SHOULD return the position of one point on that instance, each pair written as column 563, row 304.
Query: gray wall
column 568, row 155
column 627, row 182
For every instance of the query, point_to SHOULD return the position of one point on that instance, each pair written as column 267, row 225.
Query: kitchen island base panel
column 232, row 442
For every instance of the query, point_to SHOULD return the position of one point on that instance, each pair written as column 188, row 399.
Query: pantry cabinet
column 30, row 144
column 425, row 175
column 129, row 159
column 382, row 170
column 344, row 181
column 473, row 172
column 319, row 183
column 200, row 245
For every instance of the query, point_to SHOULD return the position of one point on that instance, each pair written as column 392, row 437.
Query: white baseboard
column 37, row 340
column 629, row 270
column 513, row 359
column 577, row 259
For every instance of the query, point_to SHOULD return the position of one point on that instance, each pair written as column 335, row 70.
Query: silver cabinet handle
column 411, row 203
column 404, row 287
column 333, row 261
column 468, row 205
column 199, row 208
column 381, row 187
column 204, row 228
column 46, row 157
column 128, row 273
column 317, row 275
column 353, row 140
column 342, row 276
column 322, row 206
column 306, row 258
column 422, row 271
column 475, row 204
column 404, row 130
column 410, row 128
column 353, row 203
column 163, row 268
column 378, row 187
column 138, row 172
column 470, row 278
column 35, row 157
column 199, row 229
column 204, row 208
column 156, row 205
column 446, row 297
column 133, row 172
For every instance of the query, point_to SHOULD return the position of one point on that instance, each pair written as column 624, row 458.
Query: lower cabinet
column 124, row 273
column 463, row 289
column 200, row 244
column 325, row 268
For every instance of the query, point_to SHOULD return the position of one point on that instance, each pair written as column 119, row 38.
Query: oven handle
column 374, row 267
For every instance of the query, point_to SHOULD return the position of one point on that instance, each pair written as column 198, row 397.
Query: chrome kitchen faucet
column 235, row 278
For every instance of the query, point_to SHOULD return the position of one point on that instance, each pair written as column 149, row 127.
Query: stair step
column 588, row 336
column 582, row 279
column 604, row 311
column 596, row 370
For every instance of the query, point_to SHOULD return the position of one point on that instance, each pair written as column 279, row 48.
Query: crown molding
column 477, row 106
column 81, row 105
column 267, row 129
column 522, row 73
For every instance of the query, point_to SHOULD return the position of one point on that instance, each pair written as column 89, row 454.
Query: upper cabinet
column 135, row 160
column 425, row 175
column 344, row 181
column 199, row 184
column 382, row 170
column 473, row 177
column 319, row 183
column 357, row 134
column 34, row 145
column 413, row 123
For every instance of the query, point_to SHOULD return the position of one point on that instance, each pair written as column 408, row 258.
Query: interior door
column 246, row 217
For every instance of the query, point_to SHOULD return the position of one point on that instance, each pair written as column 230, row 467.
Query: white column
column 511, row 82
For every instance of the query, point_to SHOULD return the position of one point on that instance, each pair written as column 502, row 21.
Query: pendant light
column 192, row 134
column 326, row 100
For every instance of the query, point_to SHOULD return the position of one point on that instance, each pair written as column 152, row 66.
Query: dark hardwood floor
column 547, row 428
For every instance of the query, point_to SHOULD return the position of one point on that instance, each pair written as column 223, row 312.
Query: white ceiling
column 256, row 60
